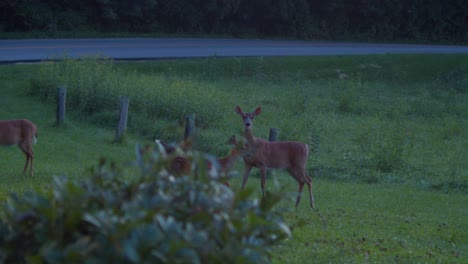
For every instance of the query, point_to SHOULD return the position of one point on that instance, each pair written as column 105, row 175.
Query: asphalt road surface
column 34, row 50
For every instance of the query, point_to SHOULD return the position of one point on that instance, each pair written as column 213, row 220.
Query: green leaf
column 92, row 220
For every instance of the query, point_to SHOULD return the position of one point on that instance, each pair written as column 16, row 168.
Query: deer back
column 278, row 154
column 14, row 131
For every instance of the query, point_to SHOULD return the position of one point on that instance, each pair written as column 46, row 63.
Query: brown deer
column 289, row 155
column 179, row 164
column 20, row 132
column 226, row 163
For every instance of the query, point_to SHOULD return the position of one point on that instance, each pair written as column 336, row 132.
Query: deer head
column 248, row 117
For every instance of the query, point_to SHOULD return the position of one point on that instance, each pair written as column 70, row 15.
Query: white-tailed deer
column 179, row 164
column 289, row 155
column 226, row 163
column 20, row 132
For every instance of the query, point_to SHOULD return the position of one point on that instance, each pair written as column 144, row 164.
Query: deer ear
column 258, row 111
column 238, row 110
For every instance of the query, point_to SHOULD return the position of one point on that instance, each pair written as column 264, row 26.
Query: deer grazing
column 289, row 155
column 20, row 132
column 180, row 165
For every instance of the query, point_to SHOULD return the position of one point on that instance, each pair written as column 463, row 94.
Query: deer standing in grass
column 289, row 155
column 20, row 132
column 226, row 163
column 179, row 164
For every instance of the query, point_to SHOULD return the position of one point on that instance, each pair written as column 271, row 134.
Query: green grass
column 66, row 150
column 389, row 141
column 387, row 122
column 358, row 223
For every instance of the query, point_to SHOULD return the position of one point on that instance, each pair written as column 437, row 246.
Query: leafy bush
column 139, row 214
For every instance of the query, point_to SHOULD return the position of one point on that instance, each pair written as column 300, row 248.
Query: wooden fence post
column 123, row 117
column 273, row 137
column 189, row 125
column 61, row 104
column 273, row 134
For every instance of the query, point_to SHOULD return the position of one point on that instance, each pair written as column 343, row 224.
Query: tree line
column 418, row 20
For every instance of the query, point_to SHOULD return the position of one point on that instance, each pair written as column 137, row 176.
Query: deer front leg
column 248, row 168
column 263, row 173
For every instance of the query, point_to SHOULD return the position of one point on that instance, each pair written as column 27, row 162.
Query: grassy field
column 388, row 135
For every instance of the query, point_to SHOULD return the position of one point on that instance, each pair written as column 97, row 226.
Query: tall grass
column 393, row 119
column 94, row 86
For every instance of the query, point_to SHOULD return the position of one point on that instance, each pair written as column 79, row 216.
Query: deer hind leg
column 28, row 152
column 308, row 180
column 302, row 178
column 296, row 173
column 311, row 195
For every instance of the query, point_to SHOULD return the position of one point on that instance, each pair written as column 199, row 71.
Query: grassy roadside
column 67, row 150
column 366, row 214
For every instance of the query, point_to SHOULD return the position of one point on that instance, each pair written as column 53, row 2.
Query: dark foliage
column 139, row 214
column 419, row 20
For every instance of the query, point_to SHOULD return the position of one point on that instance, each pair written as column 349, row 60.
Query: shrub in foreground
column 139, row 214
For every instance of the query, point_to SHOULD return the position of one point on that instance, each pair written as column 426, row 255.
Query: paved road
column 144, row 48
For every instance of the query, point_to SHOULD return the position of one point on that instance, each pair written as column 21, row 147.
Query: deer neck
column 248, row 134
